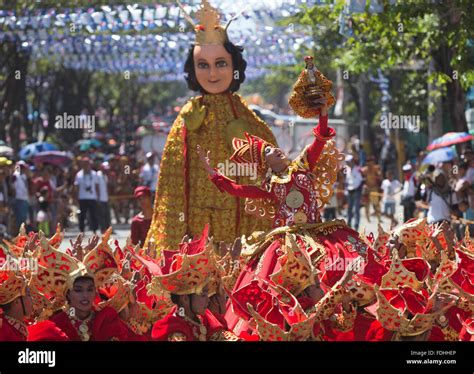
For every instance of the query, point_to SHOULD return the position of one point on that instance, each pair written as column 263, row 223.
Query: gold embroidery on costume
column 206, row 203
column 177, row 337
column 224, row 336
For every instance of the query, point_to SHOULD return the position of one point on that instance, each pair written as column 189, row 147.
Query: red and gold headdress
column 296, row 272
column 151, row 304
column 410, row 272
column 250, row 151
column 12, row 285
column 381, row 241
column 57, row 271
column 14, row 277
column 273, row 309
column 189, row 270
column 17, row 246
column 413, row 234
column 395, row 306
column 117, row 292
column 463, row 277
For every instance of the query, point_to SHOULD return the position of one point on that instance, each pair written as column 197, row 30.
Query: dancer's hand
column 236, row 249
column 205, row 161
column 194, row 116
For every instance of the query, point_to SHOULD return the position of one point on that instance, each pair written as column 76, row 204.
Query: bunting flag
column 154, row 40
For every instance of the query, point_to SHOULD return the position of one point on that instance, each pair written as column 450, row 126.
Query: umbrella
column 53, row 157
column 32, row 149
column 448, row 139
column 86, row 144
column 440, row 155
column 6, row 151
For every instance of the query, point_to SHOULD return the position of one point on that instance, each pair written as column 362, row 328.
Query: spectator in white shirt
column 390, row 188
column 86, row 188
column 21, row 177
column 354, row 182
column 440, row 199
column 149, row 173
column 104, row 208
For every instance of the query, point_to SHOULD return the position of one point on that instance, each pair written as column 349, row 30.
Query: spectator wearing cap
column 86, row 188
column 103, row 205
column 354, row 182
column 20, row 182
column 149, row 173
column 142, row 221
column 408, row 192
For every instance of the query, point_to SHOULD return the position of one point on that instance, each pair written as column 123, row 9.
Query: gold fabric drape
column 205, row 203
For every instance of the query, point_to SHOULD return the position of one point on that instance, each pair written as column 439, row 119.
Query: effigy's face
column 213, row 68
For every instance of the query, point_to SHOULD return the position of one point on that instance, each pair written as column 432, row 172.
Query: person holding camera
column 440, row 199
column 86, row 188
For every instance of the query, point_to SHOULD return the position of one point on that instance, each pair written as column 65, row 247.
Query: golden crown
column 296, row 272
column 208, row 30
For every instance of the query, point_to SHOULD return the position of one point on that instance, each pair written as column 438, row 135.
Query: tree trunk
column 435, row 119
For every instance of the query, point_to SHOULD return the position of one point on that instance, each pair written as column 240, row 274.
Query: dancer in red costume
column 188, row 275
column 15, row 305
column 292, row 194
column 65, row 278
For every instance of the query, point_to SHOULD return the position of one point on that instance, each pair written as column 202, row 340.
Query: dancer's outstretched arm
column 225, row 184
column 322, row 134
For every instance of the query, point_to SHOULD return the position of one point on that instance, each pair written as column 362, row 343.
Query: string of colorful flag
column 153, row 39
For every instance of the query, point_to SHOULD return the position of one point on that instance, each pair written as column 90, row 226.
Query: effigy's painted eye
column 268, row 150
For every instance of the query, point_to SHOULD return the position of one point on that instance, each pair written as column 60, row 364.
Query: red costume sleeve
column 322, row 133
column 46, row 331
column 108, row 326
column 227, row 185
column 8, row 333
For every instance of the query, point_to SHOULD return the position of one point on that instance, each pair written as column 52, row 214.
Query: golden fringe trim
column 258, row 241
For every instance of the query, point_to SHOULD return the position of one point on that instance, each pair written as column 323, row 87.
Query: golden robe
column 185, row 198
